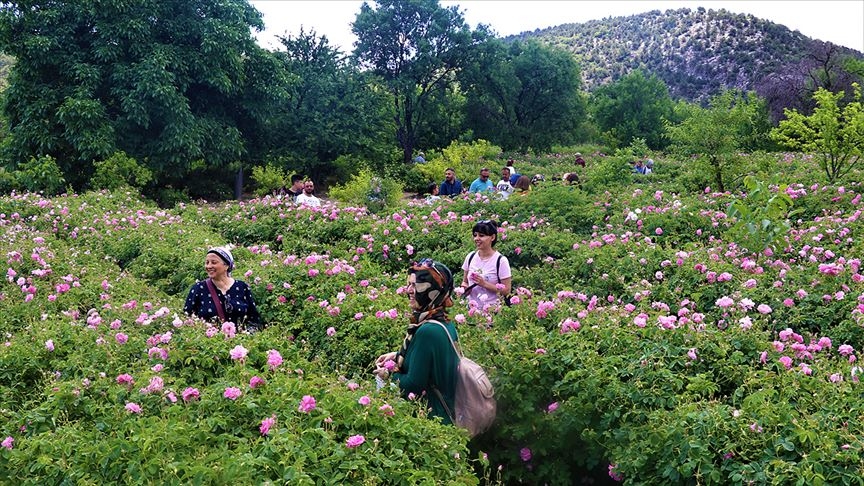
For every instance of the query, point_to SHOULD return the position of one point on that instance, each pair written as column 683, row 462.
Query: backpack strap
column 435, row 388
column 216, row 302
column 469, row 288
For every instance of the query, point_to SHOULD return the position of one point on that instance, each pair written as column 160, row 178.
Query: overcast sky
column 837, row 21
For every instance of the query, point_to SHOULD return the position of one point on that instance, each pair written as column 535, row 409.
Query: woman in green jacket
column 427, row 360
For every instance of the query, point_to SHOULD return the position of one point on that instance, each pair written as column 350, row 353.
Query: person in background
column 451, row 186
column 420, row 159
column 579, row 160
column 504, row 188
column 482, row 183
column 487, row 275
column 639, row 168
column 307, row 198
column 220, row 298
column 523, row 184
column 425, row 365
column 296, row 186
column 432, row 192
column 649, row 166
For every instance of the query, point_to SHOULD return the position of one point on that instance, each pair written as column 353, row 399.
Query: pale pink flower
column 125, row 379
column 525, row 454
column 121, row 338
column 389, row 365
column 255, row 382
column 387, row 410
column 307, row 404
column 239, row 353
column 836, row 378
column 352, row 386
column 845, row 349
column 552, row 407
column 364, row 400
column 229, row 329
column 331, row 331
column 133, row 407
column 190, row 394
column 232, row 393
column 725, row 302
column 49, row 345
column 274, row 359
column 764, row 309
column 354, row 441
column 266, row 424
column 786, row 361
column 8, row 443
column 692, row 354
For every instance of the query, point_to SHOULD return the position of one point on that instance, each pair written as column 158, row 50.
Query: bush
column 269, row 179
column 119, row 170
column 41, row 174
column 369, row 190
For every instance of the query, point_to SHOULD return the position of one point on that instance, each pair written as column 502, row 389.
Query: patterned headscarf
column 224, row 254
column 432, row 291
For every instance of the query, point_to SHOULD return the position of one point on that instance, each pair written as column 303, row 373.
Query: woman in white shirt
column 487, row 278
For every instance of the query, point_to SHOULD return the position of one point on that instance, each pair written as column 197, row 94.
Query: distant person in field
column 579, row 160
column 482, row 183
column 420, row 159
column 432, row 192
column 220, row 298
column 504, row 188
column 451, row 186
column 307, row 197
column 639, row 168
column 649, row 166
column 523, row 184
column 514, row 174
column 570, row 178
column 296, row 186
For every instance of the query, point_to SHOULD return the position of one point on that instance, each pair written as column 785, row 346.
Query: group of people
column 510, row 182
column 302, row 191
column 427, row 361
column 643, row 167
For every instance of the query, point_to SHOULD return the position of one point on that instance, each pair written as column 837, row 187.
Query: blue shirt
column 237, row 303
column 448, row 189
column 514, row 178
column 479, row 186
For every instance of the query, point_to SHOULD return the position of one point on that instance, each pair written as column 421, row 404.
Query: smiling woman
column 220, row 297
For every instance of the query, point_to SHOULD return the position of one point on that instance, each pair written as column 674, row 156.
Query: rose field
column 660, row 333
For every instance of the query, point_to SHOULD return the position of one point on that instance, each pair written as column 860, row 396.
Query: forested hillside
column 695, row 52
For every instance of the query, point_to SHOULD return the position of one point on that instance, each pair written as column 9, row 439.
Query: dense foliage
column 645, row 343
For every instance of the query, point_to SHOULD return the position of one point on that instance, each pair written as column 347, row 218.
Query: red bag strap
column 216, row 302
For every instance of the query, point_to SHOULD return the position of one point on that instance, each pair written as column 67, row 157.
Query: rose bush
column 644, row 343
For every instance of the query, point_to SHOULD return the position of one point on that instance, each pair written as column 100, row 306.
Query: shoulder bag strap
column 216, row 302
column 435, row 388
column 470, row 287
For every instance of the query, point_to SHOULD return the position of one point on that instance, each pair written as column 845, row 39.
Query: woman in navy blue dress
column 220, row 297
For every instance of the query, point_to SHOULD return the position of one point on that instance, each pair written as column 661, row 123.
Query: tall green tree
column 834, row 133
column 523, row 95
column 635, row 106
column 331, row 109
column 162, row 80
column 733, row 122
column 415, row 46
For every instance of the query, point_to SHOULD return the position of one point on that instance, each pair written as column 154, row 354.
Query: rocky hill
column 695, row 52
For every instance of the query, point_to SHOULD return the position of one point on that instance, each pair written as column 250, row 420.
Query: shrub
column 269, row 179
column 120, row 169
column 369, row 190
column 41, row 174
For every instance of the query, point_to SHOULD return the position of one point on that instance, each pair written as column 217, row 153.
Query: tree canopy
column 523, row 95
column 169, row 82
column 635, row 106
column 415, row 46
